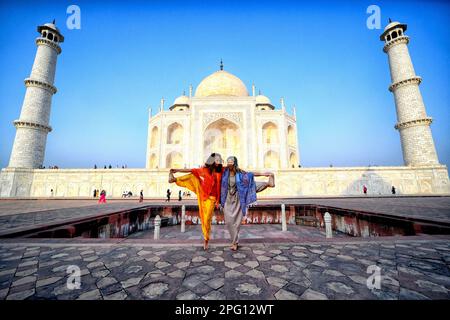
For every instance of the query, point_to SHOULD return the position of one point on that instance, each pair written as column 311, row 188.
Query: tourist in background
column 141, row 196
column 168, row 195
column 102, row 197
column 393, row 190
column 365, row 189
column 179, row 196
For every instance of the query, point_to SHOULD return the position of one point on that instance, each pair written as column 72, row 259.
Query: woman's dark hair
column 236, row 166
column 213, row 167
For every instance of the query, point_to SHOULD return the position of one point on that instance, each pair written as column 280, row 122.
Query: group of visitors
column 393, row 190
column 180, row 195
column 102, row 195
column 110, row 166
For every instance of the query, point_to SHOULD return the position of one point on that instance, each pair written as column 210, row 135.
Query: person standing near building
column 179, row 196
column 102, row 197
column 168, row 195
column 393, row 190
column 365, row 189
column 141, row 196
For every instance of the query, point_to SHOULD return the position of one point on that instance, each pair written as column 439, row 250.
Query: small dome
column 392, row 25
column 260, row 99
column 51, row 26
column 221, row 83
column 181, row 100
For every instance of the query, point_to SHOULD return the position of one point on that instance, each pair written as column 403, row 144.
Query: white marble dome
column 221, row 83
column 51, row 26
column 260, row 99
column 181, row 100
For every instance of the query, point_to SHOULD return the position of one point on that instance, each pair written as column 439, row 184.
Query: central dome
column 221, row 83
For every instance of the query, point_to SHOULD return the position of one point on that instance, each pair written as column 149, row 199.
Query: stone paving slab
column 410, row 269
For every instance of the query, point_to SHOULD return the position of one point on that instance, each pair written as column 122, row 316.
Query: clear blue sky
column 319, row 55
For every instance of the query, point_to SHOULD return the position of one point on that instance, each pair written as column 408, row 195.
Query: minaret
column 33, row 125
column 161, row 105
column 412, row 120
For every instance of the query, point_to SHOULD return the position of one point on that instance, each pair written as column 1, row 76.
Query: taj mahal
column 223, row 116
column 229, row 121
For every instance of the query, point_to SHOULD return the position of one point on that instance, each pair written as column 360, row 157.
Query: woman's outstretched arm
column 271, row 182
column 262, row 174
column 180, row 170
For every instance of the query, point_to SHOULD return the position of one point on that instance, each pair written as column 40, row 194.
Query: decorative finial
column 390, row 20
column 190, row 91
column 184, row 92
column 253, row 89
column 54, row 21
column 221, row 64
column 259, row 92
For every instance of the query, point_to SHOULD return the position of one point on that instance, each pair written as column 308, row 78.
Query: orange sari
column 207, row 188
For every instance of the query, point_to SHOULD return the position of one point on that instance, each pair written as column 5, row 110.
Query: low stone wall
column 297, row 182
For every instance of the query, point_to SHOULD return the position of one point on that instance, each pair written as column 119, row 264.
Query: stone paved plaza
column 298, row 264
column 410, row 269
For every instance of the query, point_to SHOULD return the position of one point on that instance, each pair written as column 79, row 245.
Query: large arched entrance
column 222, row 136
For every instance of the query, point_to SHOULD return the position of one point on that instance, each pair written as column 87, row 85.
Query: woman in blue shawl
column 238, row 192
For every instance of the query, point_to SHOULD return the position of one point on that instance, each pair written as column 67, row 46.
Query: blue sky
column 319, row 56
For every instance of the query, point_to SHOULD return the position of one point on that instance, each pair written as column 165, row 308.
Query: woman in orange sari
column 205, row 183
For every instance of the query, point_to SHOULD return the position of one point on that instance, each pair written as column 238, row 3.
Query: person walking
column 365, row 189
column 168, row 195
column 393, row 190
column 102, row 197
column 179, row 196
column 141, row 196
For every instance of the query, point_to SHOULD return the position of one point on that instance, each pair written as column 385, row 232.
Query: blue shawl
column 246, row 187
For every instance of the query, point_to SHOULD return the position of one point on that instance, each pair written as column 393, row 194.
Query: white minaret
column 33, row 125
column 412, row 120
